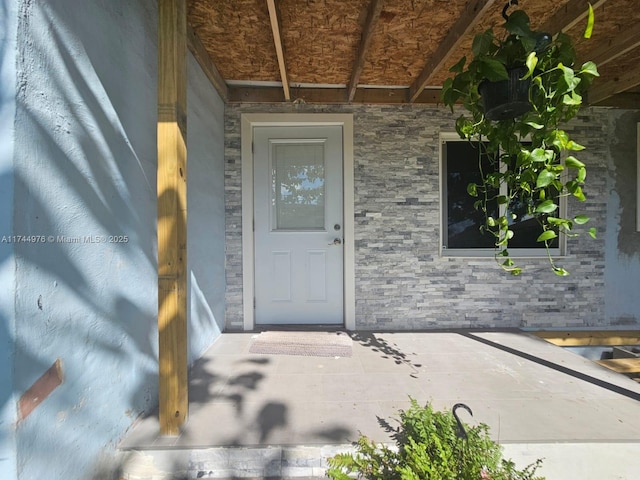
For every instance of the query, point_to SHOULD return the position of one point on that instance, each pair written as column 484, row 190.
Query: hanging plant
column 538, row 87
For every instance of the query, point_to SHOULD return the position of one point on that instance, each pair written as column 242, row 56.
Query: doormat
column 308, row 344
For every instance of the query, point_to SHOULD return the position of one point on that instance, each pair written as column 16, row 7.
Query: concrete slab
column 519, row 385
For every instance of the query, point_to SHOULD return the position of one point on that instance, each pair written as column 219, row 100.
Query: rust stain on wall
column 40, row 390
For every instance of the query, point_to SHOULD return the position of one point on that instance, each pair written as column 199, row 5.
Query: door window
column 298, row 186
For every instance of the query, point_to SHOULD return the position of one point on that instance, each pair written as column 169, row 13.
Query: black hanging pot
column 506, row 99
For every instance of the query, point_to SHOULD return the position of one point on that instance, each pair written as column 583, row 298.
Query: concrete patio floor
column 284, row 415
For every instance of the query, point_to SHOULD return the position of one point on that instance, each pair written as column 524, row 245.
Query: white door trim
column 248, row 122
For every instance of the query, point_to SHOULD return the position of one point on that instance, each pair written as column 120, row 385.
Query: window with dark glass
column 462, row 223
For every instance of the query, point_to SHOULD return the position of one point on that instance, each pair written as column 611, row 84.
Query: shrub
column 429, row 447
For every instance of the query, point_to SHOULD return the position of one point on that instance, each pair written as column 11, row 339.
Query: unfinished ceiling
column 393, row 51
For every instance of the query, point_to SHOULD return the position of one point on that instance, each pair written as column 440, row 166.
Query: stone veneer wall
column 401, row 281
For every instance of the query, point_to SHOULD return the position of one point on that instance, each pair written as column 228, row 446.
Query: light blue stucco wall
column 8, row 26
column 85, row 166
column 205, row 200
column 622, row 244
column 85, row 183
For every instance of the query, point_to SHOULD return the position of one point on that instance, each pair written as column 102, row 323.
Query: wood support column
column 172, row 214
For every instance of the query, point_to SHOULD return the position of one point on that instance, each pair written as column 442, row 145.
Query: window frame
column 638, row 179
column 444, row 251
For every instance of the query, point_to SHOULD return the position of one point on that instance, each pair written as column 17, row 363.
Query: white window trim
column 248, row 122
column 560, row 251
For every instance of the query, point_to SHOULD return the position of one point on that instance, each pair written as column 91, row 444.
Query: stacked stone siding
column 402, row 283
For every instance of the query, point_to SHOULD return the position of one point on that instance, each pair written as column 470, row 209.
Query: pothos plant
column 535, row 158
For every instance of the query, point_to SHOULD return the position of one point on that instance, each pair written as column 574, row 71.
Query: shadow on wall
column 84, row 196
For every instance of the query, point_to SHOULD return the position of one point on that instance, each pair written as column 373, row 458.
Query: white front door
column 298, row 225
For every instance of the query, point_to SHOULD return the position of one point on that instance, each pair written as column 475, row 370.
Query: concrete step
column 269, row 462
column 561, row 461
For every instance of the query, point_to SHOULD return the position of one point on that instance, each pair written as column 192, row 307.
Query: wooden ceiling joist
column 569, row 15
column 612, row 86
column 373, row 14
column 361, row 43
column 208, row 67
column 473, row 11
column 277, row 40
column 615, row 47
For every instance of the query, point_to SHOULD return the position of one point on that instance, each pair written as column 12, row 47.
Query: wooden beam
column 590, row 337
column 569, row 15
column 604, row 87
column 373, row 14
column 208, row 67
column 172, row 215
column 330, row 95
column 277, row 40
column 467, row 19
column 608, row 50
column 627, row 100
column 622, row 365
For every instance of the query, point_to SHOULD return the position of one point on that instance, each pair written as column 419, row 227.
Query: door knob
column 336, row 241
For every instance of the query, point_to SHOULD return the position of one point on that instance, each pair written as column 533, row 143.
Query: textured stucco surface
column 85, row 167
column 401, row 281
column 8, row 32
column 85, row 180
column 205, row 200
column 622, row 272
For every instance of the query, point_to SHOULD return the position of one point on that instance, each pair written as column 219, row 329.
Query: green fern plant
column 428, row 447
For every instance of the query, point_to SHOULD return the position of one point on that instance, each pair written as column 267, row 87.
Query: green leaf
column 577, row 192
column 535, row 126
column 546, row 235
column 459, row 67
column 503, row 200
column 560, row 271
column 558, row 138
column 538, row 155
column 482, row 43
column 573, row 99
column 545, row 178
column 518, row 24
column 590, row 69
column 464, row 127
column 548, row 206
column 573, row 162
column 581, row 219
column 582, row 175
column 571, row 145
column 570, row 79
column 556, row 221
column 592, row 232
column 532, row 61
column 492, row 69
column 472, row 189
column 590, row 21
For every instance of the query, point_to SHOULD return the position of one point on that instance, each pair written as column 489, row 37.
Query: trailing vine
column 536, row 162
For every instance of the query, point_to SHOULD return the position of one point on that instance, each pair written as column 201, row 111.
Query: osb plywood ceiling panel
column 390, row 51
column 318, row 33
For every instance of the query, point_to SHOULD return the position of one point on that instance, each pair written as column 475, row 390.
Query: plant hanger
column 517, row 91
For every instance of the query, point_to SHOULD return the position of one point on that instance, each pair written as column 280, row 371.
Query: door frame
column 248, row 122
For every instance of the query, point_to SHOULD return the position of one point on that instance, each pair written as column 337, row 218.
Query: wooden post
column 172, row 215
